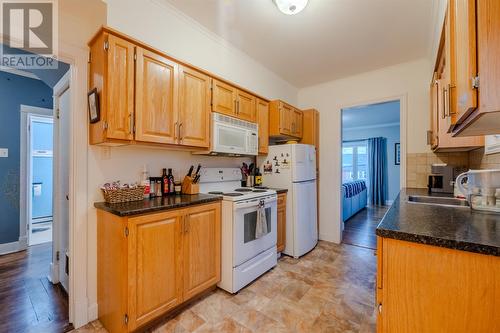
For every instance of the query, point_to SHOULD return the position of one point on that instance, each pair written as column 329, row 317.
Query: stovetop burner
column 216, row 192
column 231, row 194
column 243, row 190
column 261, row 187
column 259, row 190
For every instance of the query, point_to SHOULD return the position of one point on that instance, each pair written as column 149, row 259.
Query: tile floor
column 331, row 289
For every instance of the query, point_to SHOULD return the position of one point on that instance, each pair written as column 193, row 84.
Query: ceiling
column 330, row 39
column 374, row 115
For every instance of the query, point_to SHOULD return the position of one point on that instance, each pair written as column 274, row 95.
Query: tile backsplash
column 418, row 166
column 478, row 160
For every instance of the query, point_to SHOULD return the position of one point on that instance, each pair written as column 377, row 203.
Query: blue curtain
column 377, row 171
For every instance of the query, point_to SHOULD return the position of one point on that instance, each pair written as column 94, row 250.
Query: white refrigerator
column 293, row 167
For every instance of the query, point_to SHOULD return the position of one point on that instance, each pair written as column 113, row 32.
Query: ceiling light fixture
column 290, row 7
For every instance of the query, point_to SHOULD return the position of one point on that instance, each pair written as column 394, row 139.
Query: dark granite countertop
column 156, row 204
column 451, row 227
column 280, row 190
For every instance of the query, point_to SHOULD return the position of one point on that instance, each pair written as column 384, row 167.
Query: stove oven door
column 245, row 245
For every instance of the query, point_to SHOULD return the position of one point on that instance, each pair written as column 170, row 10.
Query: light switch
column 4, row 152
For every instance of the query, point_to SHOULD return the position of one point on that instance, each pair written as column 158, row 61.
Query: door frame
column 403, row 116
column 60, row 88
column 25, row 178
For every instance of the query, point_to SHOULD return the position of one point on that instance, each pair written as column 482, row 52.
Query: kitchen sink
column 438, row 201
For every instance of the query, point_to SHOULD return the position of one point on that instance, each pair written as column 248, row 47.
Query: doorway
column 370, row 165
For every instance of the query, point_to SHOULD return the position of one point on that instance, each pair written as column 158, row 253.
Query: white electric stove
column 244, row 256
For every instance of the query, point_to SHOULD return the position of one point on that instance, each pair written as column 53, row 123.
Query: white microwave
column 231, row 136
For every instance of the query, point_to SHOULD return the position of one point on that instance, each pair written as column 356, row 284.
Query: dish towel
column 261, row 225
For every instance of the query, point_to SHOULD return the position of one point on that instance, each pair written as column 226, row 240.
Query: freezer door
column 305, row 227
column 303, row 162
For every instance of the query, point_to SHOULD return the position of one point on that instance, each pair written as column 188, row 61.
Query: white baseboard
column 93, row 312
column 328, row 238
column 54, row 273
column 12, row 247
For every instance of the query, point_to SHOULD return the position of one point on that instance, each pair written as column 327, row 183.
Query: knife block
column 188, row 187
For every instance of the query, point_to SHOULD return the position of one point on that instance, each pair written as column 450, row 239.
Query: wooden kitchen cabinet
column 201, row 249
column 150, row 264
column 112, row 74
column 154, row 266
column 285, row 121
column 156, row 88
column 263, row 122
column 442, row 102
column 281, row 232
column 476, row 69
column 424, row 288
column 194, row 108
column 233, row 102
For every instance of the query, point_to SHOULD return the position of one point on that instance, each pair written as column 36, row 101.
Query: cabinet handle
column 236, row 106
column 379, row 307
column 131, row 123
column 175, row 130
column 180, row 133
column 449, row 100
column 429, row 137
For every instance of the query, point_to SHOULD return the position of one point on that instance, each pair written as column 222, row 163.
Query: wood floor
column 28, row 301
column 331, row 289
column 359, row 230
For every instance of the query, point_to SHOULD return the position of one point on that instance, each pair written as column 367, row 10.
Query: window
column 354, row 161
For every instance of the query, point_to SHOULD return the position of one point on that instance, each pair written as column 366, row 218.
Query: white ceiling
column 373, row 115
column 330, row 39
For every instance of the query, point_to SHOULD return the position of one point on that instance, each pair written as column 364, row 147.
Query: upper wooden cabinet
column 263, row 122
column 150, row 264
column 475, row 66
column 233, row 102
column 194, row 108
column 442, row 94
column 156, row 98
column 285, row 121
column 112, row 73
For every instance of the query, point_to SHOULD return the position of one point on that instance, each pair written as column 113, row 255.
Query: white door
column 63, row 196
column 303, row 162
column 304, row 217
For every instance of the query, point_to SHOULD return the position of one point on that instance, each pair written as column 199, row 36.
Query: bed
column 354, row 198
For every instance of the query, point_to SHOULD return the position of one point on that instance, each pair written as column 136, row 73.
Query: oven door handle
column 255, row 203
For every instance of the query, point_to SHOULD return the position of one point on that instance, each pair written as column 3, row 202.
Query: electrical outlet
column 4, row 152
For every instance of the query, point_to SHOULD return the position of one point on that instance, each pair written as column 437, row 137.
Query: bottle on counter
column 171, row 183
column 152, row 187
column 258, row 178
column 146, row 182
column 164, row 183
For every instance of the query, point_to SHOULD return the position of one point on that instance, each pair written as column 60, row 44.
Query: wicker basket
column 124, row 194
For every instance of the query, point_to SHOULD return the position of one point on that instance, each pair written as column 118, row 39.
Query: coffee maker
column 442, row 178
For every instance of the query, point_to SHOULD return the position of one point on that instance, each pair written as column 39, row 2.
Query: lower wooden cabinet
column 281, row 222
column 424, row 288
column 150, row 264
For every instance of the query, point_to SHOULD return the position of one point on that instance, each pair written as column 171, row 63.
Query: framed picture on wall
column 93, row 102
column 397, row 153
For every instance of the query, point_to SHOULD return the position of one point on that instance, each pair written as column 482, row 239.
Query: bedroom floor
column 359, row 230
column 331, row 289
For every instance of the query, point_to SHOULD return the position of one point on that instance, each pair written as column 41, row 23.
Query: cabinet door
column 201, row 249
column 263, row 121
column 194, row 110
column 464, row 29
column 246, row 106
column 297, row 123
column 155, row 280
column 285, row 119
column 223, row 98
column 156, row 98
column 281, row 234
column 120, row 89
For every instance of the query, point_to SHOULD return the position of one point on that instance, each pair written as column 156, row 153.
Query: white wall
column 410, row 80
column 164, row 28
column 159, row 24
column 391, row 133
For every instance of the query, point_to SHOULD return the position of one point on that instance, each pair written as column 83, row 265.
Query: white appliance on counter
column 234, row 137
column 244, row 256
column 293, row 167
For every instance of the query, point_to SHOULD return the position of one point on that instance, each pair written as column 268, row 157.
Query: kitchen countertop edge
column 155, row 205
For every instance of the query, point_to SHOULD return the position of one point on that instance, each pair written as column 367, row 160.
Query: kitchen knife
column 197, row 170
column 190, row 171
